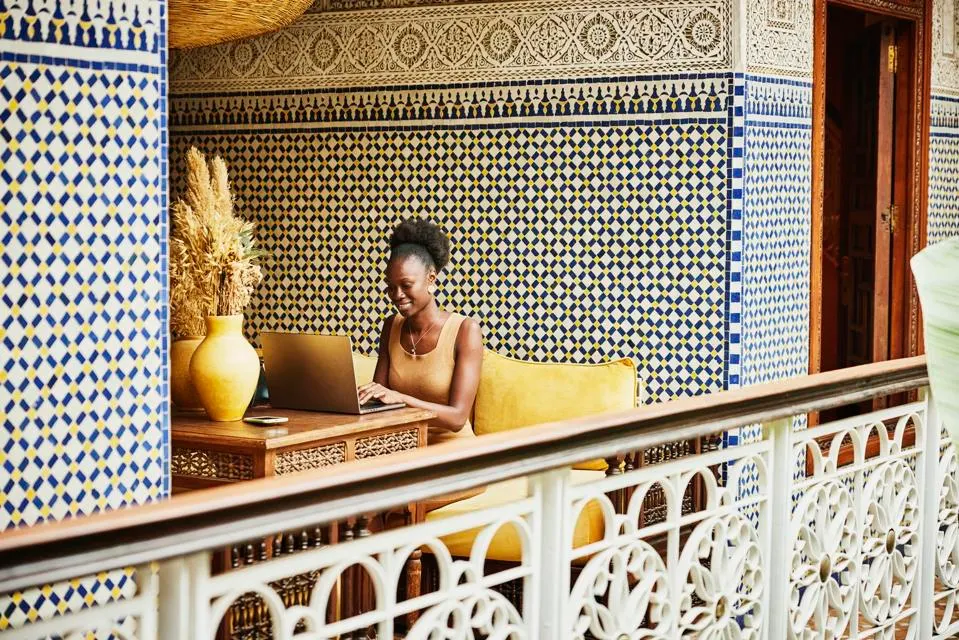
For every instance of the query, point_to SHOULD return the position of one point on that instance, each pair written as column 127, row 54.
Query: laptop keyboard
column 373, row 405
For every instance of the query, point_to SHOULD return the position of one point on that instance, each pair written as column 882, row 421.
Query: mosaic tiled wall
column 83, row 272
column 773, row 112
column 776, row 218
column 770, row 222
column 583, row 228
column 586, row 197
column 943, row 221
column 596, row 208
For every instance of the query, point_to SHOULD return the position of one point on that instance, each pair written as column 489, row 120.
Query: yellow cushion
column 363, row 368
column 506, row 544
column 513, row 393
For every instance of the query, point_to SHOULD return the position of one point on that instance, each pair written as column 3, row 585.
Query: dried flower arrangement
column 213, row 253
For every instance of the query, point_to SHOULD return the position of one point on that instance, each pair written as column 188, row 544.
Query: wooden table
column 208, row 454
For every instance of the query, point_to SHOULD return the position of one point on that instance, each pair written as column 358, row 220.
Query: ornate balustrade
column 790, row 539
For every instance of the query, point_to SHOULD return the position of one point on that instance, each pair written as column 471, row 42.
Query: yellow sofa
column 513, row 394
column 363, row 368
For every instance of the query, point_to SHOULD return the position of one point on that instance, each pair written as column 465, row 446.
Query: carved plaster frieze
column 468, row 43
column 779, row 37
column 321, row 6
column 945, row 57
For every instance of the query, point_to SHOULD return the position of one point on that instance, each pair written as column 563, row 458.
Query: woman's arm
column 466, row 375
column 382, row 374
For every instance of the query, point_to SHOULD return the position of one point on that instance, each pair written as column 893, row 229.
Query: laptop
column 313, row 372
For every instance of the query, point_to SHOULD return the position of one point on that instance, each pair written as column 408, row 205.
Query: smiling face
column 407, row 284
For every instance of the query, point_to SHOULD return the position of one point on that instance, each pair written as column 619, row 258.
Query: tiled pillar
column 83, row 271
column 943, row 220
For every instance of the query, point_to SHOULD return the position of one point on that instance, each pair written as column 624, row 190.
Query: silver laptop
column 313, row 372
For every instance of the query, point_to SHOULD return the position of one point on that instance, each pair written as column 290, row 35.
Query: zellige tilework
column 776, row 220
column 80, row 307
column 83, row 273
column 575, row 241
column 943, row 216
column 106, row 24
column 776, row 156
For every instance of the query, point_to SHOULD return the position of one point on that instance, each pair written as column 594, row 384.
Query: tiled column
column 83, row 272
column 943, row 220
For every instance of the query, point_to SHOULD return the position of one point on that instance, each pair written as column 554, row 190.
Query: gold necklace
column 422, row 335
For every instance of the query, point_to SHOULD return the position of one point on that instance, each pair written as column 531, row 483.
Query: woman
column 428, row 358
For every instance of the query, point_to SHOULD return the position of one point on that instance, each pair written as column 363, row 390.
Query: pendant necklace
column 420, row 339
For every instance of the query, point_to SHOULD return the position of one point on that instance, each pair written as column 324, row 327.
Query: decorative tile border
column 164, row 197
column 944, row 115
column 734, row 268
column 943, row 215
column 134, row 25
column 775, row 100
column 468, row 43
column 663, row 97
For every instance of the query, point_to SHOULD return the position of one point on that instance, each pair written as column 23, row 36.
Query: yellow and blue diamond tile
column 573, row 241
column 80, row 306
column 82, row 279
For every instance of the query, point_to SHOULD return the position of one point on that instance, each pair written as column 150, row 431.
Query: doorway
column 868, row 207
column 861, row 206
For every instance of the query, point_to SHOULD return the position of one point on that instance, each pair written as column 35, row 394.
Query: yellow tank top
column 428, row 376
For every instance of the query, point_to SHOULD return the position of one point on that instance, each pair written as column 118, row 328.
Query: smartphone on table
column 266, row 420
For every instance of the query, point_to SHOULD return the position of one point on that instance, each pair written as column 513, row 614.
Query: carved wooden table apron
column 208, row 454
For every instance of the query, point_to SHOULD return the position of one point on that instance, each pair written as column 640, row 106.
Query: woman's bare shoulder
column 470, row 332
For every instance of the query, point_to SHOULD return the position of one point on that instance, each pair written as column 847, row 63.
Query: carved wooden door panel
column 859, row 172
column 885, row 210
column 868, row 160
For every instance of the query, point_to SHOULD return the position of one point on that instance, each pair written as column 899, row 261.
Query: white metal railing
column 862, row 543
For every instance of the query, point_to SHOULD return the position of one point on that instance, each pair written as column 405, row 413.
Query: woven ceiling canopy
column 195, row 23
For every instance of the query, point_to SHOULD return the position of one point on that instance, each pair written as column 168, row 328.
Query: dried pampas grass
column 212, row 252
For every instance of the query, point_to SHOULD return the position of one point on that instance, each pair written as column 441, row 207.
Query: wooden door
column 867, row 176
column 885, row 210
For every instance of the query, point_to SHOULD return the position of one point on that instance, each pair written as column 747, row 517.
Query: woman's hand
column 381, row 393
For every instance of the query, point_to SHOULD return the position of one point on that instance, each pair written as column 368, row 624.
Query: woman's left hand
column 381, row 393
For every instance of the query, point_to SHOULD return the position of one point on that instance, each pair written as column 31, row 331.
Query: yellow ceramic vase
column 225, row 369
column 182, row 392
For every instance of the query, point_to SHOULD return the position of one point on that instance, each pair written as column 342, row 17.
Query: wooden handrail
column 217, row 517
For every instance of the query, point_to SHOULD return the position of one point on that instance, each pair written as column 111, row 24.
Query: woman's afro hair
column 423, row 239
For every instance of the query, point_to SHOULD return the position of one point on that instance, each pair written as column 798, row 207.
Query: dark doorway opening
column 866, row 170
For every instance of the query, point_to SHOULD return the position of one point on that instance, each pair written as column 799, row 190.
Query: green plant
column 936, row 269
